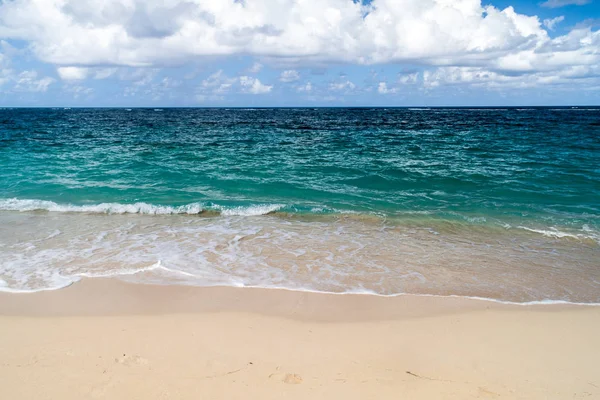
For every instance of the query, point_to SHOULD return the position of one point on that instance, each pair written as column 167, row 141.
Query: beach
column 105, row 339
column 322, row 253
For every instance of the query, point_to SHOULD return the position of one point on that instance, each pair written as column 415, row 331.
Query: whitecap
column 102, row 208
column 254, row 210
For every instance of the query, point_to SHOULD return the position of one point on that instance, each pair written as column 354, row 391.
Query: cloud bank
column 166, row 32
column 451, row 40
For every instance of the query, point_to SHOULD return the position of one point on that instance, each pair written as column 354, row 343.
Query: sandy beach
column 104, row 339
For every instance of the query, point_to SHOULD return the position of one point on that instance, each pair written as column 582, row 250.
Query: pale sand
column 103, row 339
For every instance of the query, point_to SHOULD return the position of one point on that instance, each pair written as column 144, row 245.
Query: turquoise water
column 463, row 173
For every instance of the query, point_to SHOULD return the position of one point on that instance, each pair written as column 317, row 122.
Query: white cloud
column 305, row 88
column 290, row 75
column 382, row 88
column 588, row 23
column 483, row 78
column 407, row 79
column 255, row 68
column 72, row 73
column 103, row 73
column 78, row 91
column 342, row 86
column 218, row 82
column 253, row 85
column 141, row 80
column 159, row 33
column 155, row 32
column 562, row 3
column 27, row 81
column 551, row 23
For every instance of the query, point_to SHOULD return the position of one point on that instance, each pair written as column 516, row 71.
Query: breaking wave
column 23, row 205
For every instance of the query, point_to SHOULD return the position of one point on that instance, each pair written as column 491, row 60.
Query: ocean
column 495, row 203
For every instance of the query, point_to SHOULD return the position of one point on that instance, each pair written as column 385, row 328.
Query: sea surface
column 502, row 204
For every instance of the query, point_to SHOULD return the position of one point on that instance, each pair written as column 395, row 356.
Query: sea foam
column 24, row 205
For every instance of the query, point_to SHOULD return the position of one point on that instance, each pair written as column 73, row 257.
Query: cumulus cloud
column 105, row 34
column 253, row 85
column 382, row 88
column 483, row 78
column 562, row 3
column 289, row 76
column 28, row 81
column 552, row 22
column 72, row 73
column 342, row 86
column 157, row 32
column 218, row 83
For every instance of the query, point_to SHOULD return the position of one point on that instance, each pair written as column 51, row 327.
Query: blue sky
column 299, row 53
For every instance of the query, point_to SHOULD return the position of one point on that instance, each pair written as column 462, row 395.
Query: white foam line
column 368, row 293
column 260, row 209
column 555, row 233
column 305, row 290
column 102, row 208
column 23, row 205
column 126, row 272
column 44, row 289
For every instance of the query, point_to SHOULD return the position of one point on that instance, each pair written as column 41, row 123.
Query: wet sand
column 104, row 339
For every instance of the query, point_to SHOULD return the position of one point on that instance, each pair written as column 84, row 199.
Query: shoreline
column 106, row 339
column 110, row 297
column 132, row 295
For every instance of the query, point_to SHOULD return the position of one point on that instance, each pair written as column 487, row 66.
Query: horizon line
column 305, row 107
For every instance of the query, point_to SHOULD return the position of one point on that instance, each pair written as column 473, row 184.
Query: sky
column 264, row 53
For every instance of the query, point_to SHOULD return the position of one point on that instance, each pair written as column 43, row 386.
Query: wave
column 429, row 218
column 255, row 210
column 23, row 205
column 555, row 233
